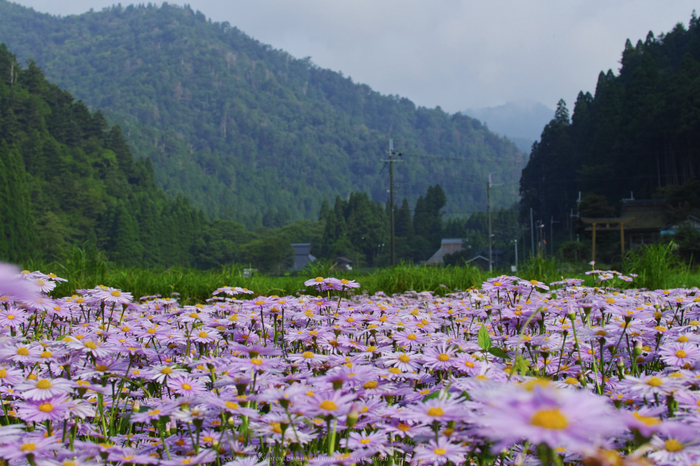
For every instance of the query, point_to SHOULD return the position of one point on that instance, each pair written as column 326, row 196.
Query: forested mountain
column 66, row 178
column 247, row 132
column 640, row 132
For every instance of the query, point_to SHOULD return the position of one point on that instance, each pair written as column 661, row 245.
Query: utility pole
column 489, row 185
column 551, row 233
column 391, row 200
column 391, row 162
column 532, row 236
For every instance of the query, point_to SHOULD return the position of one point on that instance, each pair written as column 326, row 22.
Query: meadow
column 451, row 367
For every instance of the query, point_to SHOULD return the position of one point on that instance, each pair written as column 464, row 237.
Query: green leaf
column 484, row 338
column 521, row 365
column 431, row 396
column 498, row 352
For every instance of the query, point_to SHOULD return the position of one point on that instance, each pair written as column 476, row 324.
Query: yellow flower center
column 655, row 382
column 497, row 283
column 186, row 386
column 10, row 316
column 646, row 420
column 403, row 427
column 276, row 427
column 549, row 419
column 43, row 384
column 404, row 358
column 435, row 411
column 307, row 355
column 3, row 373
column 23, row 351
column 46, row 354
column 202, row 334
column 166, row 370
column 319, row 279
column 673, row 445
column 441, row 451
column 571, row 381
column 412, row 336
column 90, row 344
column 370, row 385
column 444, row 357
column 116, row 293
column 256, row 361
column 232, row 405
column 681, row 354
column 46, row 407
column 27, row 447
column 328, row 405
column 365, row 441
column 154, row 412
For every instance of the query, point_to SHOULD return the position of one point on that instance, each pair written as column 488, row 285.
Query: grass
column 656, row 265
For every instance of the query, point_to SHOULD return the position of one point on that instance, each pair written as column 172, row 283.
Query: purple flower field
column 516, row 372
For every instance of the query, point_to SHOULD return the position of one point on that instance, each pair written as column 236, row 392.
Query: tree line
column 639, row 133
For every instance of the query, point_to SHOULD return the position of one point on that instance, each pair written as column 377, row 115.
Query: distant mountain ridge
column 247, row 132
column 520, row 121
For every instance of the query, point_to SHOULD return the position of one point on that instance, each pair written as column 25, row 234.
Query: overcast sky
column 457, row 54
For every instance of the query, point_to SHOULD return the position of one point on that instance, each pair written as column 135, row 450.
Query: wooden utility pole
column 391, row 200
column 489, row 185
column 488, row 215
column 391, row 162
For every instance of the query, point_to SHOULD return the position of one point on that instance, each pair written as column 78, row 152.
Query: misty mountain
column 522, row 121
column 245, row 131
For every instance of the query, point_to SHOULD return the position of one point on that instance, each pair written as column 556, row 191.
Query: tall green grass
column 656, row 266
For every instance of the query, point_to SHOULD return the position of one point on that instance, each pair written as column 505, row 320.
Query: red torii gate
column 607, row 224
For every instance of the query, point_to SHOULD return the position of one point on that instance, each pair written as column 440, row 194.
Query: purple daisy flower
column 28, row 445
column 558, row 418
column 439, row 452
column 54, row 409
column 327, row 404
column 12, row 285
column 436, row 409
column 186, row 386
column 43, row 389
column 679, row 444
column 683, row 355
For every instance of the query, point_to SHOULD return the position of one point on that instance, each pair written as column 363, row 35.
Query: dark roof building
column 302, row 255
column 447, row 246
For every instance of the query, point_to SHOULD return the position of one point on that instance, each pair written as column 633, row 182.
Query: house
column 342, row 263
column 672, row 229
column 647, row 219
column 302, row 255
column 479, row 262
column 481, row 258
column 447, row 246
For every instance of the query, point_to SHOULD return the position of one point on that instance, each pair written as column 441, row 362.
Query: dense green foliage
column 249, row 133
column 67, row 179
column 359, row 229
column 640, row 133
